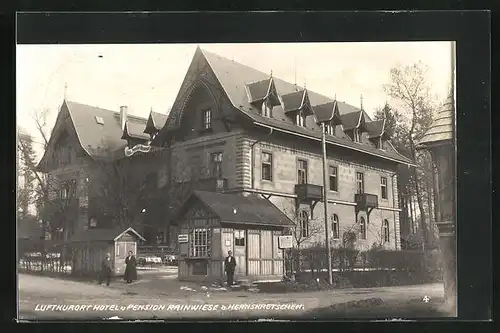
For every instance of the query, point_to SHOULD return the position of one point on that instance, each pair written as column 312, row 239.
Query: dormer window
column 329, row 129
column 300, row 119
column 356, row 135
column 266, row 109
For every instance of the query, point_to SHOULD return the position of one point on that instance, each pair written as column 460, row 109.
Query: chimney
column 123, row 116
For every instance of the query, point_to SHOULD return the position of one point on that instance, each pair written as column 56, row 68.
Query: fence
column 42, row 256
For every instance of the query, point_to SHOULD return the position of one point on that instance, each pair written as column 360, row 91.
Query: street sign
column 182, row 238
column 285, row 242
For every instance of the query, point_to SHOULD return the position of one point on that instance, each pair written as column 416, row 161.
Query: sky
column 148, row 76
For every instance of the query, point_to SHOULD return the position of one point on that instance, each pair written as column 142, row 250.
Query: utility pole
column 325, row 202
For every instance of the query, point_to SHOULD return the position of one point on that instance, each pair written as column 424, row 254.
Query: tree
column 26, row 176
column 408, row 87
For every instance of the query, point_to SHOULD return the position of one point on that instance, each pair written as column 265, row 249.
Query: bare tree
column 408, row 86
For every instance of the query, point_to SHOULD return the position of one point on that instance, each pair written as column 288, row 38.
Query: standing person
column 229, row 266
column 130, row 269
column 106, row 267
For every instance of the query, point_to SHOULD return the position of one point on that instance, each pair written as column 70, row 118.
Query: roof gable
column 238, row 209
column 103, row 235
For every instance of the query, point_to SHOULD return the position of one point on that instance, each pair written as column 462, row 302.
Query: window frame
column 335, row 222
column 300, row 119
column 239, row 234
column 386, row 231
column 360, row 181
column 362, row 228
column 207, row 119
column 330, row 175
column 304, row 223
column 216, row 164
column 200, row 250
column 267, row 109
column 356, row 135
column 384, row 187
column 266, row 164
column 306, row 170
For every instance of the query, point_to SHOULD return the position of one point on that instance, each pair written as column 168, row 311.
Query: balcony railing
column 309, row 192
column 366, row 201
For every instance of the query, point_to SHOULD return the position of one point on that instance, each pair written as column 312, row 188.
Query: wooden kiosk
column 91, row 246
column 211, row 224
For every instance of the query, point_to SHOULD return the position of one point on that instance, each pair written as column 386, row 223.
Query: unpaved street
column 36, row 292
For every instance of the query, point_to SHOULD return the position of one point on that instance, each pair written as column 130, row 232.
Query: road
column 36, row 292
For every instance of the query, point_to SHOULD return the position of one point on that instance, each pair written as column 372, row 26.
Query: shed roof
column 96, row 235
column 238, row 209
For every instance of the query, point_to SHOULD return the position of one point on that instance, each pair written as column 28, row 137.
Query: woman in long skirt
column 130, row 269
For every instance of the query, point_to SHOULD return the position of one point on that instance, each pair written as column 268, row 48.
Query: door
column 240, row 252
column 121, row 251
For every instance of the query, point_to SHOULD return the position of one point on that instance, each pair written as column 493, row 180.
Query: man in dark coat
column 229, row 266
column 106, row 268
column 130, row 269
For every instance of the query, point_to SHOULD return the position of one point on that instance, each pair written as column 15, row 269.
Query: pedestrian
column 229, row 266
column 106, row 268
column 130, row 269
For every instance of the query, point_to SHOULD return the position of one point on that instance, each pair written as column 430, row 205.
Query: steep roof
column 375, row 128
column 238, row 209
column 98, row 130
column 93, row 235
column 235, row 78
column 441, row 130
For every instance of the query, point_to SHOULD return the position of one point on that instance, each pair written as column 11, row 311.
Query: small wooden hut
column 91, row 246
column 211, row 224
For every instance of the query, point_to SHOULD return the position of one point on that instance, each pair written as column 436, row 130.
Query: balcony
column 309, row 192
column 365, row 201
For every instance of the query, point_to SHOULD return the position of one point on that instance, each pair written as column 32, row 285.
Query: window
column 360, row 185
column 267, row 166
column 239, row 238
column 216, row 165
column 304, row 224
column 200, row 242
column 333, row 179
column 302, row 172
column 65, row 191
column 356, row 135
column 383, row 187
column 266, row 109
column 335, row 226
column 300, row 119
column 99, row 120
column 329, row 129
column 385, row 231
column 362, row 228
column 207, row 119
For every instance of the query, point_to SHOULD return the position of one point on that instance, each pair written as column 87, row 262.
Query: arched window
column 385, row 231
column 362, row 228
column 335, row 226
column 304, row 223
column 267, row 109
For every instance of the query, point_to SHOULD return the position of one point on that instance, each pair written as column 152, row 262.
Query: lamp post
column 325, row 202
column 439, row 141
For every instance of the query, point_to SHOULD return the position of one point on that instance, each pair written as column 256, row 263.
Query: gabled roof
column 327, row 112
column 134, row 130
column 257, row 91
column 233, row 77
column 375, row 128
column 155, row 122
column 238, row 209
column 441, row 130
column 98, row 130
column 354, row 119
column 103, row 235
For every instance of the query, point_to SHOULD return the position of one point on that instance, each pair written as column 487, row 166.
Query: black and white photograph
column 236, row 180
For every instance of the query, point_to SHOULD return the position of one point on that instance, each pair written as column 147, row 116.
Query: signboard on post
column 182, row 238
column 285, row 242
